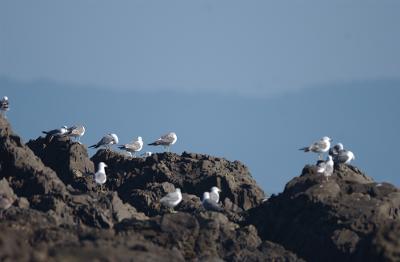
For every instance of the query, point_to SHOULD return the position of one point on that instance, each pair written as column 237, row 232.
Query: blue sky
column 250, row 81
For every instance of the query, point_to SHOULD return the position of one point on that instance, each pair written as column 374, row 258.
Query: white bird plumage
column 133, row 147
column 100, row 176
column 321, row 146
column 166, row 141
column 214, row 194
column 326, row 167
column 172, row 199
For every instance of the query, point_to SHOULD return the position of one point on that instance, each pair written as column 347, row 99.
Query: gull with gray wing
column 133, row 147
column 172, row 199
column 106, row 141
column 319, row 147
column 166, row 141
column 210, row 204
column 76, row 132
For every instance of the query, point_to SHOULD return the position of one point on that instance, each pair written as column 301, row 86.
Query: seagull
column 320, row 146
column 210, row 204
column 166, row 140
column 57, row 132
column 325, row 167
column 172, row 199
column 4, row 105
column 100, row 176
column 344, row 156
column 214, row 194
column 335, row 150
column 133, row 147
column 106, row 141
column 76, row 132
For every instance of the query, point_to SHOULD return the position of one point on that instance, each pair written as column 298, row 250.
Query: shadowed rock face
column 59, row 214
column 68, row 159
column 142, row 182
column 344, row 219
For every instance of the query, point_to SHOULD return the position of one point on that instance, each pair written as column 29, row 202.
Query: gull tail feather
column 305, row 149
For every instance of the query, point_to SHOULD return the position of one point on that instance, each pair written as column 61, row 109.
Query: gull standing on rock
column 334, row 151
column 106, row 141
column 57, row 132
column 166, row 140
column 214, row 194
column 76, row 132
column 320, row 146
column 210, row 204
column 172, row 199
column 100, row 176
column 133, row 147
column 4, row 105
column 325, row 167
column 344, row 156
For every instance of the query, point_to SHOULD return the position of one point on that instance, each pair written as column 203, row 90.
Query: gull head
column 327, row 139
column 340, row 146
column 102, row 165
column 139, row 138
column 215, row 189
column 5, row 98
column 115, row 137
column 206, row 195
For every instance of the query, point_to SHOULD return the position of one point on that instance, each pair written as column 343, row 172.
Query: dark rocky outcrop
column 142, row 182
column 68, row 159
column 59, row 214
column 348, row 218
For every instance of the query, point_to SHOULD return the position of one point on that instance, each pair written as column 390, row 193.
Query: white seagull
column 344, row 156
column 76, row 131
column 172, row 199
column 133, row 147
column 166, row 140
column 210, row 204
column 106, row 141
column 214, row 194
column 334, row 151
column 325, row 167
column 100, row 176
column 57, row 132
column 320, row 146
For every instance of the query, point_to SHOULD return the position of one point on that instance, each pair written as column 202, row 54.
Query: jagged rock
column 62, row 215
column 193, row 173
column 206, row 236
column 69, row 159
column 328, row 220
column 24, row 171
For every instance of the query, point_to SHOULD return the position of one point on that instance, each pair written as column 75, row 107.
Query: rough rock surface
column 141, row 182
column 348, row 218
column 59, row 214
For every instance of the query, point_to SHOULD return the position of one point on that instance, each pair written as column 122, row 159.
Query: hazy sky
column 254, row 47
column 247, row 80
